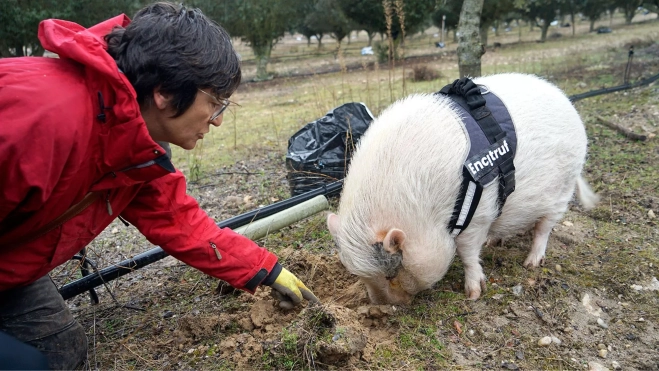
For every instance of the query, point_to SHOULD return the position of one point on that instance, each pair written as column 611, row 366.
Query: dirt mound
column 340, row 332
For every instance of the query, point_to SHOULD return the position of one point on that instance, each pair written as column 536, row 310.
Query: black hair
column 180, row 50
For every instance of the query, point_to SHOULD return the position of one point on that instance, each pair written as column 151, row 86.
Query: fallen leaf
column 458, row 327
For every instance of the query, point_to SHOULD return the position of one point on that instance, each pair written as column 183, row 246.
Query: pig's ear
column 333, row 223
column 394, row 241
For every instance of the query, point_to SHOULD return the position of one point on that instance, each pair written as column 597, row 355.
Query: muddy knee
column 37, row 315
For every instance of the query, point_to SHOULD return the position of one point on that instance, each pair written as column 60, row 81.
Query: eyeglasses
column 224, row 103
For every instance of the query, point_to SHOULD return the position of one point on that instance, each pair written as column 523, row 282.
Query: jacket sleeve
column 170, row 218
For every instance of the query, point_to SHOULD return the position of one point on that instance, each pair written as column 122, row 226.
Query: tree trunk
column 592, row 25
column 262, row 55
column 470, row 48
column 370, row 35
column 483, row 31
column 630, row 12
column 572, row 20
column 19, row 51
column 545, row 28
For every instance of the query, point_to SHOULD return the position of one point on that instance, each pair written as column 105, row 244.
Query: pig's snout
column 383, row 291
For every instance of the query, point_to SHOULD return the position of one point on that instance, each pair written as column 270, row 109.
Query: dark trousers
column 37, row 315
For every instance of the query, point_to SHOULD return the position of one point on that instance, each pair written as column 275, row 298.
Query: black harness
column 493, row 145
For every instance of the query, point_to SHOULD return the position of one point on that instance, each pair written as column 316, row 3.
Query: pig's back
column 406, row 170
column 551, row 150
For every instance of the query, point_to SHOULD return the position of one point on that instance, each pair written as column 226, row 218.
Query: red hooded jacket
column 72, row 127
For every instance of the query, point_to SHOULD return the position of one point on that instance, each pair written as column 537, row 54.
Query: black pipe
column 127, row 266
column 588, row 94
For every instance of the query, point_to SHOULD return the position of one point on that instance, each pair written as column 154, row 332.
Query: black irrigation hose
column 127, row 266
column 592, row 93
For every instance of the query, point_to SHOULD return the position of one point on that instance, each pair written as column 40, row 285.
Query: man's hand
column 289, row 290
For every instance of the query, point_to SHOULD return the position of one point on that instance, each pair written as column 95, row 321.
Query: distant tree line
column 262, row 23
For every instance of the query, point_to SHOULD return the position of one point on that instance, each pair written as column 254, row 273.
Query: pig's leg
column 469, row 249
column 540, row 236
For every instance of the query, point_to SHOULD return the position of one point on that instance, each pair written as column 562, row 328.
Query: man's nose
column 218, row 120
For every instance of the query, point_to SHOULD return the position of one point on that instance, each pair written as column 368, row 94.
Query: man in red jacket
column 84, row 139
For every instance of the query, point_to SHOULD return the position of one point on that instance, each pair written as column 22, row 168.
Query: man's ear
column 161, row 99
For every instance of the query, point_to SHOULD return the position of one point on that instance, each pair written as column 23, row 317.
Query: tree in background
column 19, row 20
column 470, row 48
column 494, row 11
column 629, row 8
column 260, row 24
column 450, row 9
column 652, row 6
column 328, row 17
column 307, row 28
column 369, row 15
column 363, row 13
column 593, row 10
column 545, row 11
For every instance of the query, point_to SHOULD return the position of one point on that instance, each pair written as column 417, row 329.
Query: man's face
column 185, row 130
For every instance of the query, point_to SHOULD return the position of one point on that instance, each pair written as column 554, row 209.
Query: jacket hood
column 84, row 45
column 87, row 46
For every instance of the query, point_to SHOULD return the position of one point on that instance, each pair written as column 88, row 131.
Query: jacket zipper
column 107, row 202
column 217, row 252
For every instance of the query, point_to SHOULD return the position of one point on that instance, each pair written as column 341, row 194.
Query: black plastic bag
column 320, row 152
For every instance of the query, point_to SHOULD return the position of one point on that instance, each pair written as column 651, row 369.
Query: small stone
column 615, row 365
column 545, row 341
column 641, row 319
column 651, row 214
column 363, row 310
column 519, row 354
column 601, row 346
column 556, row 340
column 603, row 352
column 568, row 330
column 558, row 268
column 601, row 323
column 191, row 351
column 517, row 290
column 246, row 323
column 594, row 366
column 115, row 230
column 497, row 296
column 568, row 224
column 509, row 365
column 167, row 314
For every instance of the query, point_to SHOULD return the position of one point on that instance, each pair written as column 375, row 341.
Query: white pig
column 405, row 176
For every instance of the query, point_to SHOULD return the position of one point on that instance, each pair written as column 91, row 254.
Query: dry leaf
column 458, row 327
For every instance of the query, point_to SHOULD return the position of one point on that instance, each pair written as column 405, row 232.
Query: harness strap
column 468, row 95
